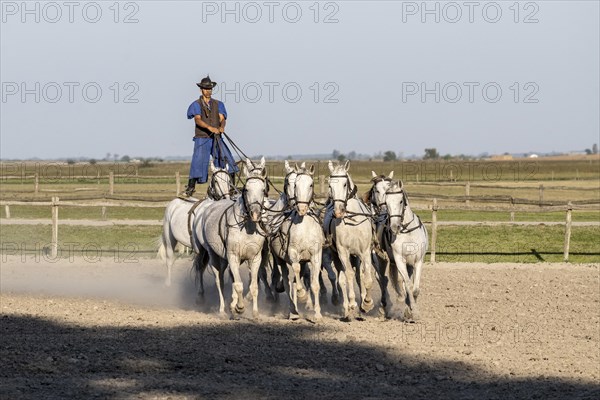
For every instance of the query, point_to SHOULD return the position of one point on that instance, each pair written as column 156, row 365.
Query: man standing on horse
column 210, row 118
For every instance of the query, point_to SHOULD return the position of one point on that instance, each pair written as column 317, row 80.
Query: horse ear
column 347, row 165
column 296, row 167
column 311, row 170
column 400, row 184
column 391, row 175
column 373, row 174
column 245, row 170
column 249, row 165
column 287, row 166
column 262, row 162
column 330, row 165
column 263, row 173
column 303, row 165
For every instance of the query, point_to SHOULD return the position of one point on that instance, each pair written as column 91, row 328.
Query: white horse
column 230, row 233
column 300, row 238
column 348, row 222
column 405, row 239
column 179, row 214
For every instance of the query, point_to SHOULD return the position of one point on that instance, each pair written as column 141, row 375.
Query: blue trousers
column 205, row 147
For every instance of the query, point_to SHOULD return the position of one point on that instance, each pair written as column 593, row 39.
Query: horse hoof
column 367, row 305
column 407, row 315
column 346, row 318
column 335, row 300
column 316, row 319
column 255, row 315
column 294, row 317
column 239, row 310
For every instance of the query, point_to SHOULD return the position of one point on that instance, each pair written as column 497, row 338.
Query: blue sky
column 93, row 78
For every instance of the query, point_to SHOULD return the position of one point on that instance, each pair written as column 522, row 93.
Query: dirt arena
column 97, row 328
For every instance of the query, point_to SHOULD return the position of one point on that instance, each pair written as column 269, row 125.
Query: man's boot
column 191, row 188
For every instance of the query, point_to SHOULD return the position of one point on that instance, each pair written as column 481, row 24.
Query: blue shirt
column 194, row 109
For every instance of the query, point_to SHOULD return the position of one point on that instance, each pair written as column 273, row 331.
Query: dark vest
column 210, row 117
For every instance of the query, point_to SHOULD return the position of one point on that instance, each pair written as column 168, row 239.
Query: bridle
column 375, row 181
column 312, row 191
column 403, row 226
column 286, row 185
column 212, row 192
column 350, row 193
column 245, row 192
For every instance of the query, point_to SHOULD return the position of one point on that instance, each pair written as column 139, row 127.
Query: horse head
column 255, row 189
column 376, row 196
column 395, row 201
column 220, row 182
column 341, row 187
column 289, row 183
column 303, row 189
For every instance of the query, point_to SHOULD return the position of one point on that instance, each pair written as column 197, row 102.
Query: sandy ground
column 100, row 327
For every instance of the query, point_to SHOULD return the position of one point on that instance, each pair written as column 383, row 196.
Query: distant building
column 533, row 156
column 501, row 157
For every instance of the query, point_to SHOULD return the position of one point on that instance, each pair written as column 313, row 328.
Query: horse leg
column 348, row 284
column 237, row 294
column 199, row 266
column 254, row 267
column 342, row 282
column 366, row 270
column 288, row 283
column 407, row 284
column 315, row 284
column 218, row 272
column 381, row 266
column 335, row 289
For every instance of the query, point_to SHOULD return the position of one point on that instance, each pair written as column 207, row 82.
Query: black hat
column 206, row 83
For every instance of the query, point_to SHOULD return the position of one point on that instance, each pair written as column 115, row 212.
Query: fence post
column 322, row 183
column 177, row 183
column 433, row 230
column 541, row 194
column 98, row 177
column 111, row 183
column 7, row 211
column 512, row 209
column 36, row 184
column 467, row 192
column 103, row 213
column 568, row 231
column 54, row 244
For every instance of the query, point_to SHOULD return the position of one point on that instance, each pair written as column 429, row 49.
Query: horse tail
column 159, row 245
column 199, row 266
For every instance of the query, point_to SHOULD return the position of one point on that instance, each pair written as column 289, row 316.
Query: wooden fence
column 55, row 203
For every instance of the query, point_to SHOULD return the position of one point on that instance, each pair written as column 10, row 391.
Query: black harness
column 211, row 192
column 404, row 227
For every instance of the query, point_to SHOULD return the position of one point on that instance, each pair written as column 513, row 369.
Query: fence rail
column 55, row 203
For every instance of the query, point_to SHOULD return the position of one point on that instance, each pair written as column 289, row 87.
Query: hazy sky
column 89, row 78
